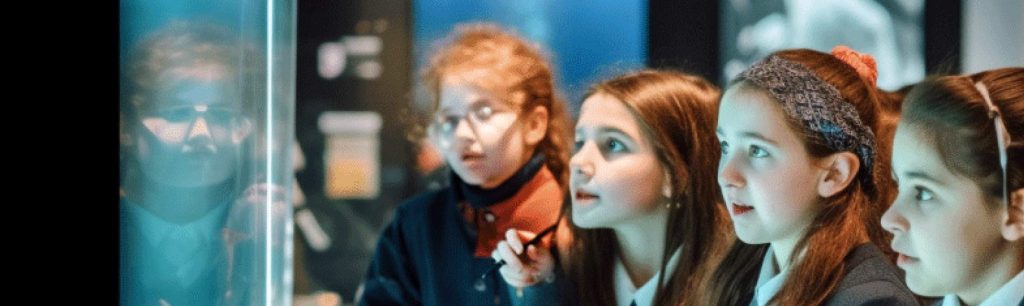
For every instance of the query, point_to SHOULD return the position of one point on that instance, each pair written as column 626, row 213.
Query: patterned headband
column 817, row 105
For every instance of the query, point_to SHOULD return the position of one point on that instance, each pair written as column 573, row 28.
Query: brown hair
column 516, row 71
column 677, row 112
column 164, row 54
column 952, row 115
column 846, row 220
column 184, row 44
column 889, row 117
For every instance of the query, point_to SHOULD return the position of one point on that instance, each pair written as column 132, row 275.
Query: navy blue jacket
column 425, row 257
column 870, row 279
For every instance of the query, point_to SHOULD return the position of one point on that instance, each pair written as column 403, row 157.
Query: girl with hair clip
column 504, row 132
column 958, row 220
column 799, row 172
column 888, row 118
column 647, row 219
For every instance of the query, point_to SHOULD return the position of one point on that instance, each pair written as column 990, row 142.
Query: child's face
column 478, row 134
column 767, row 178
column 192, row 127
column 616, row 175
column 946, row 234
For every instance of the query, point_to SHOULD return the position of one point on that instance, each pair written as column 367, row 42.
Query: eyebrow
column 750, row 134
column 477, row 102
column 760, row 137
column 608, row 130
column 923, row 176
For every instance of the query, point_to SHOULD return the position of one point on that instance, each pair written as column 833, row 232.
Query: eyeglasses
column 483, row 115
column 184, row 114
column 176, row 124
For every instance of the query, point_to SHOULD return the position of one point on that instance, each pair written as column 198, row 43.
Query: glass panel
column 206, row 117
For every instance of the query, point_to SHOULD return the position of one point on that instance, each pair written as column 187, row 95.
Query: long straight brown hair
column 677, row 112
column 846, row 220
column 889, row 117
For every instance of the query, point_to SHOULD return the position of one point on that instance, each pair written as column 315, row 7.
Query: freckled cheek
column 494, row 147
column 169, row 133
column 502, row 150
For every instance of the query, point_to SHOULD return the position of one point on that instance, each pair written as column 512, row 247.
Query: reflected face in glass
column 616, row 175
column 478, row 133
column 944, row 228
column 192, row 127
column 766, row 175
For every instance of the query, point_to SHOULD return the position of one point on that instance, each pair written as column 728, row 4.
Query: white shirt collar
column 770, row 281
column 950, row 300
column 626, row 292
column 1009, row 294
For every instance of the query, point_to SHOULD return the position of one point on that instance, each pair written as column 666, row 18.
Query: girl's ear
column 1013, row 221
column 535, row 122
column 838, row 174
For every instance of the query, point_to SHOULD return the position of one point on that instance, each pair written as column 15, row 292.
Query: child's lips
column 904, row 260
column 472, row 156
column 473, row 160
column 739, row 209
column 583, row 197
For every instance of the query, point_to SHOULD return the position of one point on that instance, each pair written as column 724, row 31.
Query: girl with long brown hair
column 800, row 172
column 647, row 222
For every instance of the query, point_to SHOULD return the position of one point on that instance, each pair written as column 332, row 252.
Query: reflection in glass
column 205, row 177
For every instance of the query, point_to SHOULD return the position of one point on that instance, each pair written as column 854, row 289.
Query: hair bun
column 863, row 63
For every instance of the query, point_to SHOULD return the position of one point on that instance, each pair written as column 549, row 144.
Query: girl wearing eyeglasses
column 503, row 130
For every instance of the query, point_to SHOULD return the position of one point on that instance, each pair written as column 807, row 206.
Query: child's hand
column 524, row 270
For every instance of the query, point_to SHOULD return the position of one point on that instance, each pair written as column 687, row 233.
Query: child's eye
column 757, row 151
column 484, row 112
column 725, row 146
column 923, row 194
column 447, row 123
column 615, row 146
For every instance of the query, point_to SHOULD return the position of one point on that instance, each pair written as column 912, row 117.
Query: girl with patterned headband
column 958, row 221
column 800, row 173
